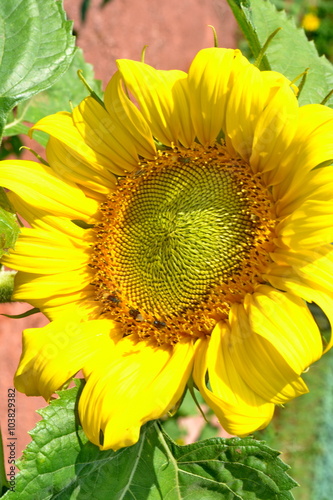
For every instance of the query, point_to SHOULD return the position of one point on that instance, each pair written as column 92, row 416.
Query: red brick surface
column 174, row 30
column 10, row 351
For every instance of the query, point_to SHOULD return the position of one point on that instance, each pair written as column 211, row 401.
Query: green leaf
column 4, row 202
column 6, row 285
column 36, row 48
column 9, row 230
column 289, row 52
column 61, row 464
column 66, row 92
column 241, row 9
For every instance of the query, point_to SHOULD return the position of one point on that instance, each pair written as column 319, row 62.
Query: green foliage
column 66, row 92
column 36, row 48
column 60, row 463
column 303, row 430
column 85, row 4
column 289, row 52
column 6, row 285
column 323, row 464
column 178, row 426
column 241, row 10
column 323, row 37
column 11, row 146
column 9, row 230
column 323, row 10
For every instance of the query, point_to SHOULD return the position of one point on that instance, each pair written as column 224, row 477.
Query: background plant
column 323, row 11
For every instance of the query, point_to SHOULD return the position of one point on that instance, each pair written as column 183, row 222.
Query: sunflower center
column 184, row 230
column 173, row 236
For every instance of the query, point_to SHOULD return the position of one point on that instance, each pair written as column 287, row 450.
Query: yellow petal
column 127, row 116
column 44, row 252
column 129, row 386
column 102, row 134
column 181, row 120
column 287, row 278
column 38, row 186
column 153, row 92
column 315, row 185
column 247, row 100
column 311, row 146
column 210, row 79
column 36, row 217
column 53, row 354
column 309, row 226
column 286, row 322
column 314, row 265
column 275, row 130
column 40, row 219
column 258, row 361
column 61, row 127
column 239, row 409
column 53, row 307
column 75, row 282
column 74, row 169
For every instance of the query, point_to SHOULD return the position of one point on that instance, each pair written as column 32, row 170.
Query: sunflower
column 178, row 231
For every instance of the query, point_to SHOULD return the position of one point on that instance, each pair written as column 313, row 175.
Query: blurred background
column 174, row 31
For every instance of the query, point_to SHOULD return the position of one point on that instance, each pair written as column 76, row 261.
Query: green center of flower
column 173, row 236
column 183, row 231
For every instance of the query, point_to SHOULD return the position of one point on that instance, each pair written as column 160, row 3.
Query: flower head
column 177, row 232
column 310, row 22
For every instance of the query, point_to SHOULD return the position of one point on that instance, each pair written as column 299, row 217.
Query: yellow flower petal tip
column 178, row 234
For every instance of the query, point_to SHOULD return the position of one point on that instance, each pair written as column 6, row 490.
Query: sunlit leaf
column 289, row 52
column 9, row 230
column 36, row 48
column 66, row 92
